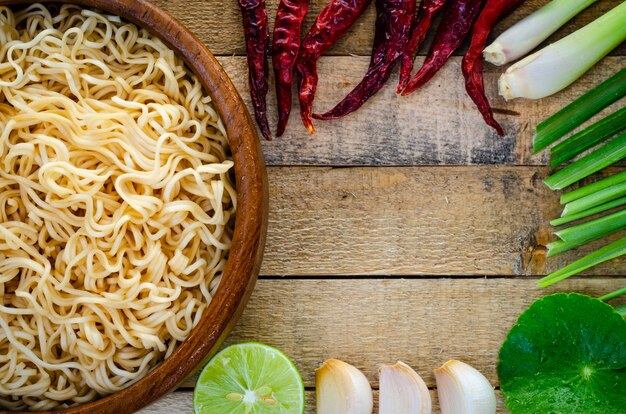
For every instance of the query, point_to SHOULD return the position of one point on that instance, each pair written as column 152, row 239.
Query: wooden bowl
column 246, row 253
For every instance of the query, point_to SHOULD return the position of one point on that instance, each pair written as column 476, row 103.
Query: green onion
column 595, row 199
column 590, row 212
column 529, row 32
column 603, row 225
column 608, row 252
column 559, row 64
column 613, row 295
column 580, row 234
column 561, row 246
column 602, row 157
column 592, row 188
column 588, row 138
column 579, row 111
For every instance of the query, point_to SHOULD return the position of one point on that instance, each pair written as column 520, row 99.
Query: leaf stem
column 613, row 295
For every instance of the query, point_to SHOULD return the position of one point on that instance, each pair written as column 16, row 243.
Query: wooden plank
column 438, row 125
column 183, row 401
column 368, row 323
column 484, row 220
column 218, row 23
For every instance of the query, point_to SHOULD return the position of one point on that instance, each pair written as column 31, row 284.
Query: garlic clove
column 402, row 391
column 462, row 389
column 342, row 389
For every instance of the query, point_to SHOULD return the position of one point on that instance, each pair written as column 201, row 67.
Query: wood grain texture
column 218, row 24
column 183, row 401
column 413, row 221
column 371, row 322
column 437, row 125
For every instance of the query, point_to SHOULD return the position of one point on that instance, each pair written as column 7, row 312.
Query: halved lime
column 249, row 378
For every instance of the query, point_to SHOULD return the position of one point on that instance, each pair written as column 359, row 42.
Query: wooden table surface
column 406, row 231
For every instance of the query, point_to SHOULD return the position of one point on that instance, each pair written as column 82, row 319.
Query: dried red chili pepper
column 256, row 31
column 455, row 25
column 287, row 27
column 332, row 22
column 393, row 25
column 424, row 17
column 472, row 64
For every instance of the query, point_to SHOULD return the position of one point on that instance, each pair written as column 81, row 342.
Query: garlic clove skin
column 342, row 389
column 402, row 391
column 462, row 389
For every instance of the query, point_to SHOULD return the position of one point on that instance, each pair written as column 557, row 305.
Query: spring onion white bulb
column 529, row 32
column 558, row 65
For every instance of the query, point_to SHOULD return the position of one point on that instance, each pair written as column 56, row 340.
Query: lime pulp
column 249, row 378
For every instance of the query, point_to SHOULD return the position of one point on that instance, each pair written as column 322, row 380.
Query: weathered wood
column 218, row 23
column 437, row 125
column 423, row 322
column 473, row 220
column 183, row 401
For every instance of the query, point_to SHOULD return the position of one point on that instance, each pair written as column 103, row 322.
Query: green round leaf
column 565, row 355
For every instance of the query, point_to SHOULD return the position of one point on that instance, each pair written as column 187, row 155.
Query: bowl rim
column 245, row 256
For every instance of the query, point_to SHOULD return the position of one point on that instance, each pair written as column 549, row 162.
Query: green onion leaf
column 579, row 111
column 604, row 156
column 580, row 234
column 592, row 188
column 595, row 199
column 588, row 138
column 603, row 225
column 608, row 252
column 590, row 212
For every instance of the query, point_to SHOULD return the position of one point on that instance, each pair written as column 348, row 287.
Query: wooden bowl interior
column 246, row 252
